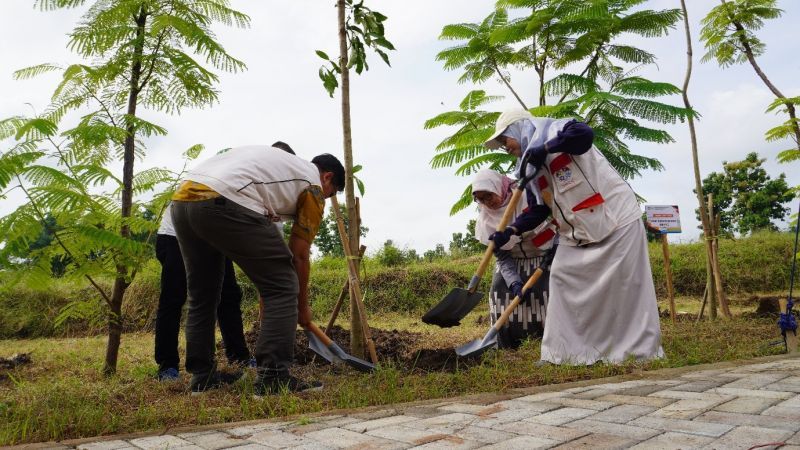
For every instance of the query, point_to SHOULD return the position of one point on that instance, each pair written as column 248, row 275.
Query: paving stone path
column 753, row 405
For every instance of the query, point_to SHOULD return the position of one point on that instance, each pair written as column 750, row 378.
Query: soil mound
column 403, row 349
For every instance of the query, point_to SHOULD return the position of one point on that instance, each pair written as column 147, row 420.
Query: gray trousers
column 210, row 230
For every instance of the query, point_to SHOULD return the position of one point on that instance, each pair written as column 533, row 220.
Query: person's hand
column 516, row 288
column 652, row 228
column 303, row 315
column 538, row 156
column 501, row 238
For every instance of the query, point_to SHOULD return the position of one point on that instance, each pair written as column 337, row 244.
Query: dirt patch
column 766, row 306
column 12, row 362
column 403, row 349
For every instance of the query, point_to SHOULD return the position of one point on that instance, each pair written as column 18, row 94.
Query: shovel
column 322, row 345
column 459, row 302
column 478, row 346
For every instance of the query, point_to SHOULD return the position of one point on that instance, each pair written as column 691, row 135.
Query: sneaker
column 168, row 374
column 214, row 381
column 251, row 363
column 277, row 385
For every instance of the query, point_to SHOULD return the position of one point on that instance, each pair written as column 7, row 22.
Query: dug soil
column 402, row 349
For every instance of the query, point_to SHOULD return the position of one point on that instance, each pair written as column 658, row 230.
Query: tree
column 359, row 28
column 606, row 95
column 437, row 253
column 390, row 255
column 480, row 58
column 729, row 36
column 564, row 32
column 746, row 197
column 140, row 54
column 466, row 243
column 713, row 285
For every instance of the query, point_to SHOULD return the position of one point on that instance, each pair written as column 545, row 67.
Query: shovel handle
column 314, row 329
column 514, row 303
column 487, row 255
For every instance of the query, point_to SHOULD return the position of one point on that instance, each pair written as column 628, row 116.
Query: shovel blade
column 320, row 349
column 352, row 361
column 449, row 312
column 478, row 346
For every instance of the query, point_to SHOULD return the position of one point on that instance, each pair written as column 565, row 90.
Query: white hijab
column 490, row 181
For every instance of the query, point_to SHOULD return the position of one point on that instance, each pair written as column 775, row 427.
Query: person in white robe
column 602, row 304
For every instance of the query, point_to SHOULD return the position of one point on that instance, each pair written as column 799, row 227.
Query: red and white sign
column 667, row 218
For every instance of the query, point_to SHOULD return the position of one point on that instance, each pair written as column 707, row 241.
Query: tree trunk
column 121, row 282
column 713, row 221
column 357, row 344
column 542, row 97
column 748, row 51
column 698, row 185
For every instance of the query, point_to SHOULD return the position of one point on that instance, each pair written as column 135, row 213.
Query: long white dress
column 602, row 304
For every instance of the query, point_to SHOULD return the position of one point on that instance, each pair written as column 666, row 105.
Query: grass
column 754, row 264
column 63, row 394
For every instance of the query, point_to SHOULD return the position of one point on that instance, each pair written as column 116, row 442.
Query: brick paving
column 729, row 405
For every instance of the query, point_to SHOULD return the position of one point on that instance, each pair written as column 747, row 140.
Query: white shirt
column 264, row 179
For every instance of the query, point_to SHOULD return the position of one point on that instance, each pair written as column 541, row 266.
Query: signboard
column 667, row 218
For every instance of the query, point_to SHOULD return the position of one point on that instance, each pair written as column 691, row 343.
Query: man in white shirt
column 228, row 207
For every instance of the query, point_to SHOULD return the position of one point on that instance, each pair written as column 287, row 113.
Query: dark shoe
column 169, row 374
column 216, row 380
column 277, row 385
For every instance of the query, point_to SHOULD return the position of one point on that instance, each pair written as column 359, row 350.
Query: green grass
column 63, row 394
column 760, row 263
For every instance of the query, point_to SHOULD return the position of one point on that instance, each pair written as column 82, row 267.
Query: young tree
column 746, row 197
column 605, row 95
column 359, row 28
column 729, row 36
column 712, row 283
column 139, row 54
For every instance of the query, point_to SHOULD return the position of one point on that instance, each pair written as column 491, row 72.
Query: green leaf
column 323, row 55
column 37, row 128
column 193, row 152
column 360, row 185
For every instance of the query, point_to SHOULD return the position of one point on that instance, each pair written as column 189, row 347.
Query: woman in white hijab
column 516, row 260
column 603, row 303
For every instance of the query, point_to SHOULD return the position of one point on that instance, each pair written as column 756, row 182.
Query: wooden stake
column 723, row 301
column 703, row 305
column 355, row 285
column 345, row 290
column 668, row 272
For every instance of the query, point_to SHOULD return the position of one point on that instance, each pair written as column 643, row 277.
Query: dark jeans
column 209, row 231
column 173, row 297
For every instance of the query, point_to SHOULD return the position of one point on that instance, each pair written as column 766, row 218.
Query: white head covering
column 521, row 131
column 490, row 181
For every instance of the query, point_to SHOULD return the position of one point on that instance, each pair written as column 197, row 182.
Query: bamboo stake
column 342, row 295
column 355, row 285
column 723, row 301
column 703, row 305
column 668, row 273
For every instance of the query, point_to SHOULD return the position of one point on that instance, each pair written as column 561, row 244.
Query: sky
column 280, row 97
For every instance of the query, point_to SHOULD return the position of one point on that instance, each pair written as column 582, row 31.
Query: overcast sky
column 280, row 97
